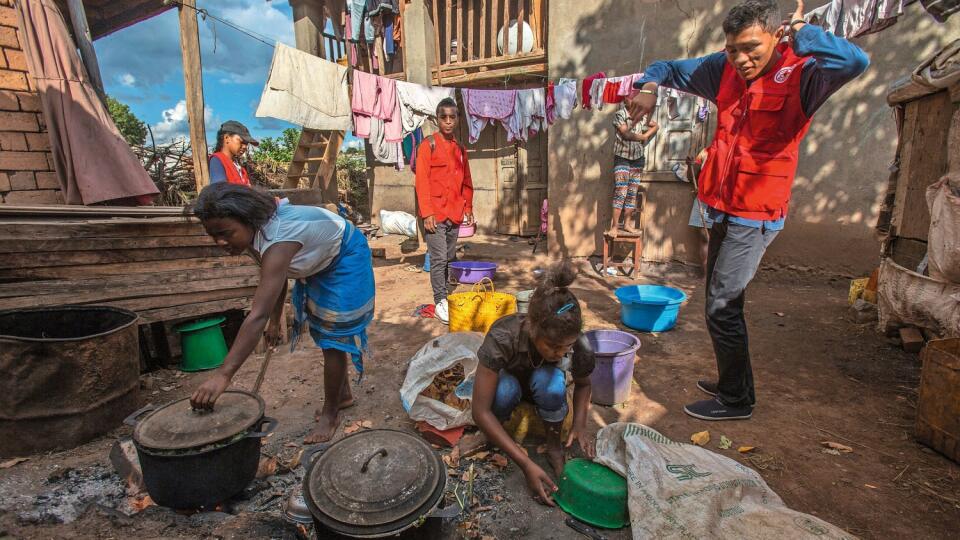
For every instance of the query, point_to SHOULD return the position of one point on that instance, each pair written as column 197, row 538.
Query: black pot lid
column 176, row 426
column 374, row 481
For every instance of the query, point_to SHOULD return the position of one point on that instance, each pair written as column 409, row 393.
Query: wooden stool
column 625, row 238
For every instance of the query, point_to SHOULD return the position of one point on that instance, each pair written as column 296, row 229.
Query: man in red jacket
column 766, row 92
column 445, row 197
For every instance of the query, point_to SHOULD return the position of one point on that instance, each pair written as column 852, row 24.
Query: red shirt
column 443, row 184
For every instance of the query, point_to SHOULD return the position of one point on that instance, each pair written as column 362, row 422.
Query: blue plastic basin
column 650, row 308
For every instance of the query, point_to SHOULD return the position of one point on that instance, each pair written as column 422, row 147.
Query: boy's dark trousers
column 732, row 260
column 442, row 246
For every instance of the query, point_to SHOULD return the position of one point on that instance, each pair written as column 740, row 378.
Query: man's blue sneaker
column 714, row 409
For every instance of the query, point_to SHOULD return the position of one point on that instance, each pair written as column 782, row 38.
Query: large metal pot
column 196, row 459
column 374, row 484
column 70, row 373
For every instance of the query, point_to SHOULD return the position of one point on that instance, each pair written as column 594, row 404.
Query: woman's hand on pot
column 540, row 484
column 587, row 442
column 207, row 393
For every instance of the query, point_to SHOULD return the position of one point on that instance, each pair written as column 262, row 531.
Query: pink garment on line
column 585, row 89
column 375, row 98
column 626, row 83
column 484, row 106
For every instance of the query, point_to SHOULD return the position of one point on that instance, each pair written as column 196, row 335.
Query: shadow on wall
column 844, row 159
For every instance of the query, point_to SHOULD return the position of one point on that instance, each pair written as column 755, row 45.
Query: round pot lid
column 376, row 481
column 177, row 426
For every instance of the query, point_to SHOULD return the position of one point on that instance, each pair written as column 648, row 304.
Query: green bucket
column 202, row 343
column 594, row 494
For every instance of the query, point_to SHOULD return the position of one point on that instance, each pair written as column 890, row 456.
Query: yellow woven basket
column 477, row 310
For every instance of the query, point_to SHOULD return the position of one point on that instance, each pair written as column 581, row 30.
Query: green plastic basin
column 202, row 343
column 594, row 494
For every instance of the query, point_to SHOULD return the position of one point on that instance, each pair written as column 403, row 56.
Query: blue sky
column 141, row 66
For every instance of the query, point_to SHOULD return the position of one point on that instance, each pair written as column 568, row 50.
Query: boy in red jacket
column 445, row 197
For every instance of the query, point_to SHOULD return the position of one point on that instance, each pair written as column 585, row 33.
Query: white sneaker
column 442, row 312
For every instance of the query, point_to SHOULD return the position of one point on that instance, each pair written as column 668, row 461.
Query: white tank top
column 318, row 231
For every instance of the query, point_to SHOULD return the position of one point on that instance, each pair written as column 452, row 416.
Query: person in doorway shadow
column 766, row 90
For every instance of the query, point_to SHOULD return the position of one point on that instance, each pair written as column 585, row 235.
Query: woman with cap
column 232, row 140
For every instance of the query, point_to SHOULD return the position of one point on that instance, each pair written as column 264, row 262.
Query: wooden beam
column 494, row 74
column 327, row 175
column 469, row 47
column 81, row 31
column 536, row 21
column 308, row 24
column 506, row 28
column 448, row 31
column 193, row 88
column 520, row 15
column 494, row 12
column 500, row 61
column 438, row 60
column 482, row 29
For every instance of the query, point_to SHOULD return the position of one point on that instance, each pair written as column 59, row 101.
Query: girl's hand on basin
column 206, row 395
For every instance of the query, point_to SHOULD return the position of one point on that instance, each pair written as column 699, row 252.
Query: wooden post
column 308, row 24
column 193, row 88
column 81, row 31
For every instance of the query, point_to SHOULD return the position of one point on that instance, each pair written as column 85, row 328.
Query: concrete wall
column 26, row 166
column 844, row 160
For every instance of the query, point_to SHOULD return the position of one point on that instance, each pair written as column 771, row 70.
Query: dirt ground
column 820, row 377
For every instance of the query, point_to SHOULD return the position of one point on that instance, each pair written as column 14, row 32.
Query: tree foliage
column 277, row 149
column 133, row 129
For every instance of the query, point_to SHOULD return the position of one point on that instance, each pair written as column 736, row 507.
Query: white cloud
column 127, row 79
column 174, row 123
column 355, row 144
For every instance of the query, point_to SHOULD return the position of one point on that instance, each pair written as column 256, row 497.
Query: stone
column 911, row 339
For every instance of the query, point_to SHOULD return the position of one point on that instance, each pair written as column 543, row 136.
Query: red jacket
column 752, row 161
column 233, row 175
column 443, row 184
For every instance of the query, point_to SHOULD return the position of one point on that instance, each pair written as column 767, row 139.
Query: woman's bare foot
column 327, row 424
column 611, row 232
column 628, row 229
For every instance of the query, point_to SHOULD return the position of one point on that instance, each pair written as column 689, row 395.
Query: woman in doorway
column 334, row 290
column 233, row 139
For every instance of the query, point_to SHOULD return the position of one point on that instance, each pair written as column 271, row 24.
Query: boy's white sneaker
column 442, row 312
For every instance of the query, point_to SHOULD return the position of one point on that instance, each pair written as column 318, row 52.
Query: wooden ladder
column 315, row 159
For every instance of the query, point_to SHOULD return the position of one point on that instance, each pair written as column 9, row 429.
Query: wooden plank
column 193, row 88
column 81, row 34
column 172, row 300
column 77, row 211
column 501, row 61
column 495, row 74
column 536, row 21
column 494, row 13
column 103, row 244
column 459, row 24
column 438, row 60
column 198, row 309
column 136, row 292
column 469, row 47
column 121, row 281
column 326, row 176
column 69, row 258
column 448, row 31
column 26, row 231
column 123, row 268
column 482, row 29
column 506, row 28
column 923, row 162
column 520, row 16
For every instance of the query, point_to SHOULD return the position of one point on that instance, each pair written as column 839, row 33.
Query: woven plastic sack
column 477, row 310
column 684, row 491
column 943, row 242
column 907, row 298
column 398, row 222
column 437, row 356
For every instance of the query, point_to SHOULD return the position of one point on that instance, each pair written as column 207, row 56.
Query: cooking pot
column 194, row 459
column 376, row 483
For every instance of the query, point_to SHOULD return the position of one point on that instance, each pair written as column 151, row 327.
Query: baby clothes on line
column 585, row 98
column 529, row 115
column 565, row 97
column 485, row 106
column 611, row 91
column 417, row 102
column 596, row 92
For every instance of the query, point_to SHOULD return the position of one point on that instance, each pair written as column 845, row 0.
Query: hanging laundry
column 529, row 115
column 375, row 98
column 306, row 90
column 384, row 151
column 565, row 96
column 409, row 147
column 673, row 104
column 626, row 83
column 855, row 18
column 611, row 91
column 417, row 102
column 485, row 106
column 551, row 103
column 358, row 18
column 596, row 92
column 585, row 99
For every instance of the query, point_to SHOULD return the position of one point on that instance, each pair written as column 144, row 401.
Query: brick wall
column 26, row 165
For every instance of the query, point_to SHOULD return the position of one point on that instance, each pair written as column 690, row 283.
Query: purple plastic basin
column 616, row 353
column 472, row 271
